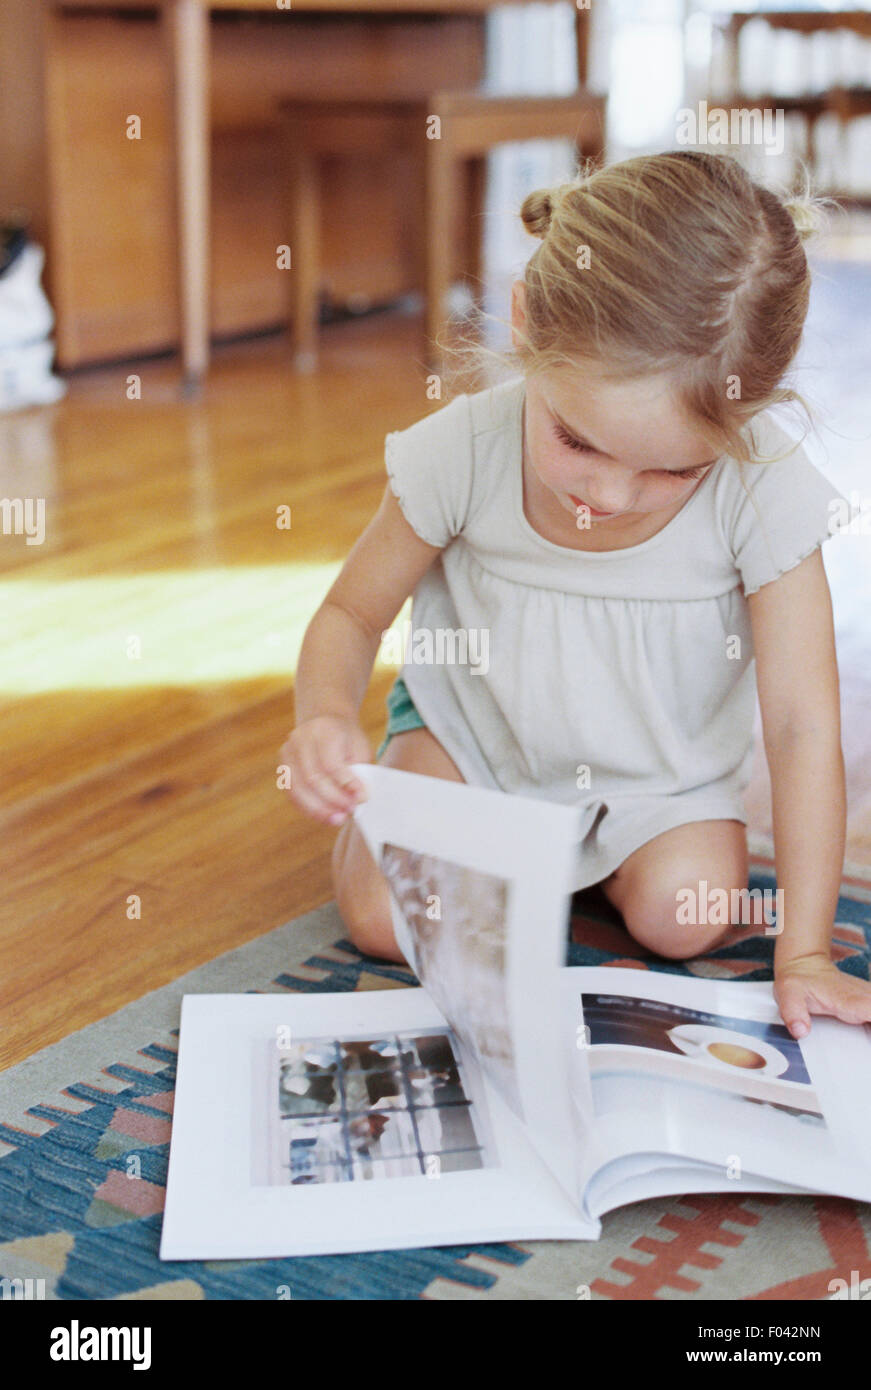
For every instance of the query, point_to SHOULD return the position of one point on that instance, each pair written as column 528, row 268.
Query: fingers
column 349, row 781
column 792, row 1002
column 319, row 756
column 851, row 1000
column 321, row 785
column 836, row 995
column 314, row 805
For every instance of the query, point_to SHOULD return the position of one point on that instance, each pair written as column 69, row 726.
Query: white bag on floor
column 26, row 319
column 26, row 377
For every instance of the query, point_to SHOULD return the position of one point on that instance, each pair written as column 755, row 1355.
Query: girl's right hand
column 319, row 753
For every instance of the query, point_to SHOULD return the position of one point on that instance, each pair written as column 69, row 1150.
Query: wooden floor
column 151, row 641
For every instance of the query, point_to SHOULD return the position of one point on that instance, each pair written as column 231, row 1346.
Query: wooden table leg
column 441, row 181
column 300, row 179
column 188, row 23
column 476, row 176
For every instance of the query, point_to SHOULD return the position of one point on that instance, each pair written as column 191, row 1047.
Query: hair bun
column 537, row 211
column 806, row 213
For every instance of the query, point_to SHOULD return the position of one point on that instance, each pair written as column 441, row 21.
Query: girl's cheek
column 557, row 471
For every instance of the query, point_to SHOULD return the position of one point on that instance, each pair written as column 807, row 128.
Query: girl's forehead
column 589, row 387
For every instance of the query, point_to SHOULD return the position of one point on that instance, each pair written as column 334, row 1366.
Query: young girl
column 630, row 552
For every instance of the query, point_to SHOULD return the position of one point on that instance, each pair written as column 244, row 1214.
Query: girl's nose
column 608, row 499
column 610, row 489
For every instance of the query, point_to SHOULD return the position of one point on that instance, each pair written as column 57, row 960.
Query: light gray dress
column 620, row 681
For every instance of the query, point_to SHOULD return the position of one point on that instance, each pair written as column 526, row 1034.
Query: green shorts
column 402, row 715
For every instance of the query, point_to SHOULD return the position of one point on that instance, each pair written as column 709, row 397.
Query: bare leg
column 644, row 889
column 360, row 887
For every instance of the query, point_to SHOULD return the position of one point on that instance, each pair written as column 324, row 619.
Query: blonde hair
column 677, row 263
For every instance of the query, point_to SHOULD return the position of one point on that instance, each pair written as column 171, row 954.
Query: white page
column 657, row 1175
column 791, row 1117
column 500, row 869
column 222, row 1203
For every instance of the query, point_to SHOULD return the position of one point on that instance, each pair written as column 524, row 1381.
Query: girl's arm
column 336, row 659
column 797, row 680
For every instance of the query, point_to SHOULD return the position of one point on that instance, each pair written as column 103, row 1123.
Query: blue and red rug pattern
column 82, row 1186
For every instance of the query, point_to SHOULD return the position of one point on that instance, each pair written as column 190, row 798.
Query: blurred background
column 142, row 145
column 230, row 250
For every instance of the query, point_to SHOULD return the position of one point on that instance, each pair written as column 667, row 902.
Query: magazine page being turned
column 480, row 887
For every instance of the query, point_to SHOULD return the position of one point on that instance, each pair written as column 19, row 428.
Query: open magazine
column 509, row 1098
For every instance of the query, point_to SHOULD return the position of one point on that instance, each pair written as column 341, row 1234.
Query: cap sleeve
column 429, row 466
column 787, row 510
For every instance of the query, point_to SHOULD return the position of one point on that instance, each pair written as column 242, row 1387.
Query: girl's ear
column 518, row 309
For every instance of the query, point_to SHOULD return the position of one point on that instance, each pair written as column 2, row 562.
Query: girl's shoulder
column 435, row 465
column 464, row 418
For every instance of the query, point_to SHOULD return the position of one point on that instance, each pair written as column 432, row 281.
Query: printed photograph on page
column 758, row 1062
column 364, row 1109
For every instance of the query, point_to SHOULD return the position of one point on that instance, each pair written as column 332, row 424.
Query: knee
column 363, row 900
column 665, row 891
column 370, row 926
column 372, row 934
column 661, row 916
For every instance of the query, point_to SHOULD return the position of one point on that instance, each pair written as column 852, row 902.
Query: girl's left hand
column 814, row 985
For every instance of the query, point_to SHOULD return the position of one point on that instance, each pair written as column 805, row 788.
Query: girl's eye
column 580, row 447
column 684, row 472
column 571, row 441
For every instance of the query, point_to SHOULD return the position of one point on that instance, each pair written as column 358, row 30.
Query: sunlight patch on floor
column 184, row 627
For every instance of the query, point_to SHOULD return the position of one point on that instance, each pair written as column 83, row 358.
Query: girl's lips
column 592, row 510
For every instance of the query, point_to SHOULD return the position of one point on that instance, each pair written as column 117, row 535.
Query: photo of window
column 351, row 1109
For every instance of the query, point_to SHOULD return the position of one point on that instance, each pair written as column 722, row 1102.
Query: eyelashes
column 580, row 447
column 685, row 472
column 576, row 444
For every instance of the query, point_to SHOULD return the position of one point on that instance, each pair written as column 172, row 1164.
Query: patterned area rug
column 74, row 1114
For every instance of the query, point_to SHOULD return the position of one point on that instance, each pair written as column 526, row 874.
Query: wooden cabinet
column 104, row 205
